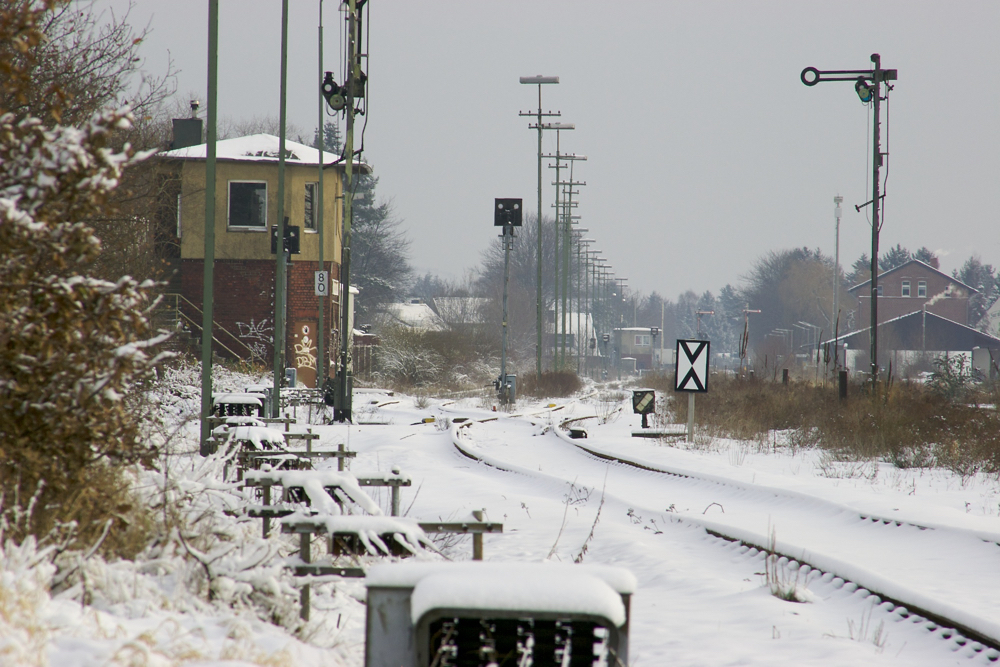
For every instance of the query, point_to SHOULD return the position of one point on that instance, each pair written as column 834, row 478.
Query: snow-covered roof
column 257, row 148
column 417, row 315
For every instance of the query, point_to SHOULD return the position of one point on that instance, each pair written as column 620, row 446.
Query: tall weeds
column 907, row 424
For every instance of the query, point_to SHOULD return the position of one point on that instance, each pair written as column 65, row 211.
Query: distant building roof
column 416, row 315
column 914, row 332
column 257, row 148
column 924, row 265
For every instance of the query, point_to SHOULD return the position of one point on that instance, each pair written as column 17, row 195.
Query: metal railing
column 173, row 303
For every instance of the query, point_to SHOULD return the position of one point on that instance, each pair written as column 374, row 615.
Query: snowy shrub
column 71, row 346
column 952, row 377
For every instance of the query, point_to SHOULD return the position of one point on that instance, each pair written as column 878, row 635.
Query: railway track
column 957, row 610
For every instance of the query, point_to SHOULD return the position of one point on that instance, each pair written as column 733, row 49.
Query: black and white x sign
column 692, row 366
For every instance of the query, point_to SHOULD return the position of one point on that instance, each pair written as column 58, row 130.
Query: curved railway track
column 952, row 619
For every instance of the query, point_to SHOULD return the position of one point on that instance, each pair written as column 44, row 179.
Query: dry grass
column 553, row 384
column 907, row 424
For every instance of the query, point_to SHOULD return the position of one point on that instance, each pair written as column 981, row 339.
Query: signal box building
column 246, row 210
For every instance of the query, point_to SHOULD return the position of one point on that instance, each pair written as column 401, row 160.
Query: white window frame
column 311, row 226
column 229, row 207
column 642, row 340
column 922, row 289
column 906, row 288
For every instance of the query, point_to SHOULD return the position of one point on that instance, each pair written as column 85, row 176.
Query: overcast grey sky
column 705, row 150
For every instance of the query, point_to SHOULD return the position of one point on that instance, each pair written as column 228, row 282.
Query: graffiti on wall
column 305, row 349
column 257, row 336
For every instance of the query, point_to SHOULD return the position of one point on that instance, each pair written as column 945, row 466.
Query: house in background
column 246, row 209
column 910, row 288
column 923, row 313
column 413, row 314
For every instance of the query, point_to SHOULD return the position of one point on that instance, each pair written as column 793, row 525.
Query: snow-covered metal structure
column 422, row 612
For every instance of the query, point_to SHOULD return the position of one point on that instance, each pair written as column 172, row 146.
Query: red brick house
column 246, row 210
column 922, row 312
column 908, row 289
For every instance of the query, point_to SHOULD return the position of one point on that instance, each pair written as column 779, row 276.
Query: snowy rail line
column 955, row 609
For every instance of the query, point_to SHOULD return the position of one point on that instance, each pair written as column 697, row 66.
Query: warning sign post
column 691, row 374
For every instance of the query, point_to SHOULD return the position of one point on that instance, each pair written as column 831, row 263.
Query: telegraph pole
column 539, row 80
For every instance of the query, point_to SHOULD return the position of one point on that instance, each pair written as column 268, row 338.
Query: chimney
column 187, row 131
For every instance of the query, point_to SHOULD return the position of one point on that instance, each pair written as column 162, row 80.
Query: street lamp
column 867, row 84
column 539, row 80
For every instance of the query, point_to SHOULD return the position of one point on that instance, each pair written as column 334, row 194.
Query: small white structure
column 415, row 314
column 420, row 613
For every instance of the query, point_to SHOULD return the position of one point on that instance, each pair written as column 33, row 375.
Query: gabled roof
column 923, row 264
column 906, row 326
column 257, row 148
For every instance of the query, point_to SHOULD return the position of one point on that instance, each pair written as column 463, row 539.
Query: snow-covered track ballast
column 971, row 630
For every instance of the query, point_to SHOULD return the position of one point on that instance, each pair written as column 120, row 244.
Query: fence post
column 340, row 459
column 305, row 541
column 267, row 503
column 395, row 500
column 842, row 384
column 690, row 433
column 477, row 538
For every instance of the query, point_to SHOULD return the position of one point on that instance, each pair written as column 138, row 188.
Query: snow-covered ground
column 701, row 599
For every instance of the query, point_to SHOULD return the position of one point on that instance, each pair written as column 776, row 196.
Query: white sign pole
column 691, row 417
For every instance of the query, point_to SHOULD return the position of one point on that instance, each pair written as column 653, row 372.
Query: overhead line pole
column 343, row 409
column 539, row 80
column 208, row 277
column 281, row 266
column 322, row 367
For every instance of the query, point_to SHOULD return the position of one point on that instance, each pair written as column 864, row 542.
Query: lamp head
column 336, row 97
column 864, row 90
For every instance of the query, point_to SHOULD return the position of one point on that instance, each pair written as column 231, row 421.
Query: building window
column 248, row 204
column 922, row 288
column 178, row 216
column 906, row 288
column 641, row 340
column 312, row 201
column 880, row 290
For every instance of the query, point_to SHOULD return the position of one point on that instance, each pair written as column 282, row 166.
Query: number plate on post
column 322, row 283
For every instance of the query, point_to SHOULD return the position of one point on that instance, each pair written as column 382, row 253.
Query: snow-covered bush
column 70, row 345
